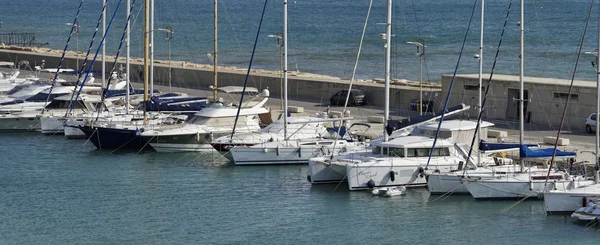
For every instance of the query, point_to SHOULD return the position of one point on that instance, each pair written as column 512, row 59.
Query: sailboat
column 399, row 160
column 288, row 140
column 570, row 199
column 524, row 184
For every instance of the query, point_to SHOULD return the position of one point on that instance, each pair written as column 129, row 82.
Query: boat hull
column 440, row 184
column 320, row 171
column 52, row 125
column 566, row 202
column 385, row 174
column 270, row 155
column 498, row 189
column 13, row 123
column 112, row 138
column 200, row 142
column 74, row 133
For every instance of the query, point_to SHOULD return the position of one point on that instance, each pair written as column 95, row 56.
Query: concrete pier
column 309, row 87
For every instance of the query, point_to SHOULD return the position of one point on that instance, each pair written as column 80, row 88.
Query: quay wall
column 306, row 87
column 545, row 99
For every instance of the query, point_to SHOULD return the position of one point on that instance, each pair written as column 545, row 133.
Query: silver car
column 590, row 123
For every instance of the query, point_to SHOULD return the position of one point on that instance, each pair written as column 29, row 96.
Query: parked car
column 590, row 123
column 357, row 97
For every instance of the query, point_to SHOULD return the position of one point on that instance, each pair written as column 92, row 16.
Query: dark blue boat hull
column 111, row 138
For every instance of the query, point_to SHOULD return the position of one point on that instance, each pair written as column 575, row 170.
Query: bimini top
column 413, row 141
column 237, row 89
column 455, row 125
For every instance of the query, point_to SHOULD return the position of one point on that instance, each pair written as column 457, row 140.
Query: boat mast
column 127, row 48
column 151, row 48
column 480, row 80
column 104, row 48
column 521, row 93
column 388, row 46
column 215, row 48
column 597, row 172
column 146, row 32
column 285, row 70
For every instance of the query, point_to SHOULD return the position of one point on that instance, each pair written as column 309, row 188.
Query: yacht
column 401, row 161
column 215, row 120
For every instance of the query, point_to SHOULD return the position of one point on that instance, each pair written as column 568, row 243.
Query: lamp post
column 168, row 36
column 420, row 52
column 279, row 38
column 76, row 30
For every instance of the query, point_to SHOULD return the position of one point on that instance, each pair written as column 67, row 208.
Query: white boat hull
column 270, row 155
column 440, row 184
column 73, row 133
column 562, row 202
column 165, row 147
column 385, row 174
column 322, row 172
column 499, row 189
column 16, row 123
column 52, row 125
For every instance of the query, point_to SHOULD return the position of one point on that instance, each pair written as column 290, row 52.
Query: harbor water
column 58, row 191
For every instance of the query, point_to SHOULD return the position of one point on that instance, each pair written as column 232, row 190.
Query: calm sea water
column 56, row 191
column 324, row 35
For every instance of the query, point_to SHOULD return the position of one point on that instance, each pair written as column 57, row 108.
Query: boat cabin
column 413, row 146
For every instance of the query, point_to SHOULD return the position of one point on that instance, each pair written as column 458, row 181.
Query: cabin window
column 558, row 95
column 473, row 87
column 376, row 150
column 552, row 177
column 424, row 152
column 396, row 152
column 379, row 149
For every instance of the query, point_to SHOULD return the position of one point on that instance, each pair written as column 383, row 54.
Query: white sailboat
column 292, row 144
column 569, row 200
column 524, row 184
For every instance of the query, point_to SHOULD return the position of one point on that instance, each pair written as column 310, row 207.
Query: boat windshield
column 62, row 104
column 41, row 97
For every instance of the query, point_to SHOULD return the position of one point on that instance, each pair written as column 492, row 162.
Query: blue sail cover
column 489, row 146
column 543, row 153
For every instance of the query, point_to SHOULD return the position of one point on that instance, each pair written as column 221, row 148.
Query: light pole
column 420, row 52
column 168, row 36
column 76, row 30
column 279, row 38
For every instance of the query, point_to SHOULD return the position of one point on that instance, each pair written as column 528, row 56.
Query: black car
column 357, row 97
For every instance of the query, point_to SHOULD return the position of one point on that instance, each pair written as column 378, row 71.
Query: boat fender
column 392, row 176
column 371, row 183
column 308, row 178
column 265, row 150
column 277, row 149
column 299, row 152
column 585, row 202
